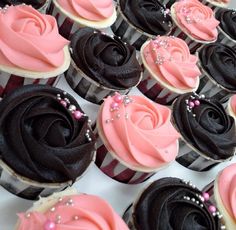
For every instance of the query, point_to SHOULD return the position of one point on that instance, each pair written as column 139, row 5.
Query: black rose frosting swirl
column 227, row 20
column 106, row 60
column 148, row 15
column 207, row 127
column 168, row 204
column 35, row 3
column 219, row 61
column 39, row 137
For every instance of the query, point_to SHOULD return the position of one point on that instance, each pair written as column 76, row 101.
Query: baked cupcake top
column 74, row 212
column 30, row 40
column 227, row 190
column 227, row 18
column 205, row 125
column 106, row 60
column 44, row 135
column 171, row 203
column 196, row 19
column 92, row 10
column 149, row 16
column 137, row 131
column 219, row 62
column 35, row 3
column 170, row 60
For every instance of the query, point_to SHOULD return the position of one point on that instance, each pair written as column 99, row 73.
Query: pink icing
column 233, row 104
column 197, row 19
column 141, row 134
column 92, row 10
column 77, row 212
column 30, row 40
column 227, row 189
column 169, row 58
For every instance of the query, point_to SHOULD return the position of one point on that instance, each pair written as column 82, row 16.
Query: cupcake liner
column 225, row 38
column 128, row 217
column 214, row 6
column 9, row 82
column 210, row 88
column 43, row 9
column 86, row 87
column 155, row 91
column 112, row 167
column 128, row 32
column 29, row 189
column 66, row 25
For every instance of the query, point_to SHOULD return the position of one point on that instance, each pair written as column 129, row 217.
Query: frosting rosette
column 92, row 10
column 30, row 40
column 44, row 135
column 149, row 16
column 78, row 212
column 227, row 18
column 195, row 19
column 225, row 195
column 170, row 60
column 170, row 203
column 205, row 125
column 219, row 62
column 137, row 131
column 106, row 60
column 35, row 3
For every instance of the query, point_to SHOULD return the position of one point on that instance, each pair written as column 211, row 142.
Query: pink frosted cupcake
column 222, row 193
column 194, row 22
column 169, row 69
column 72, row 15
column 136, row 138
column 31, row 49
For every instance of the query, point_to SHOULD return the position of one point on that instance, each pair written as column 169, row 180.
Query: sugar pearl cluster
column 119, row 100
column 187, row 13
column 202, row 199
column 52, row 224
column 77, row 114
column 193, row 102
column 166, row 12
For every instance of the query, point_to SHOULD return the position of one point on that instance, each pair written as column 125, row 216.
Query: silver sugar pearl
column 72, row 108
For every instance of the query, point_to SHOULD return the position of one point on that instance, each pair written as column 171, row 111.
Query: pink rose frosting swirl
column 197, row 19
column 138, row 131
column 30, row 40
column 233, row 104
column 77, row 212
column 170, row 59
column 227, row 189
column 93, row 10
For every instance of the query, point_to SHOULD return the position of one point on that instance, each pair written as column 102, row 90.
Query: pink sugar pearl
column 49, row 225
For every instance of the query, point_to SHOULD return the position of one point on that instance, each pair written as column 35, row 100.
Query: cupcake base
column 43, row 9
column 225, row 38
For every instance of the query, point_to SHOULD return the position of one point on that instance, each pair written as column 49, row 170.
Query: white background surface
column 95, row 182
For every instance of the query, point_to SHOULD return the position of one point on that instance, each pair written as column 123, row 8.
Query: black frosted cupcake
column 46, row 142
column 218, row 66
column 40, row 5
column 139, row 20
column 171, row 203
column 101, row 65
column 208, row 132
column 227, row 26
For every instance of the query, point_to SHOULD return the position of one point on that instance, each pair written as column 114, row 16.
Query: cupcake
column 136, row 138
column 72, row 15
column 208, row 133
column 46, row 141
column 71, row 210
column 40, row 5
column 216, row 4
column 194, row 22
column 227, row 26
column 31, row 49
column 101, row 65
column 169, row 69
column 231, row 108
column 222, row 193
column 171, row 203
column 218, row 66
column 139, row 20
